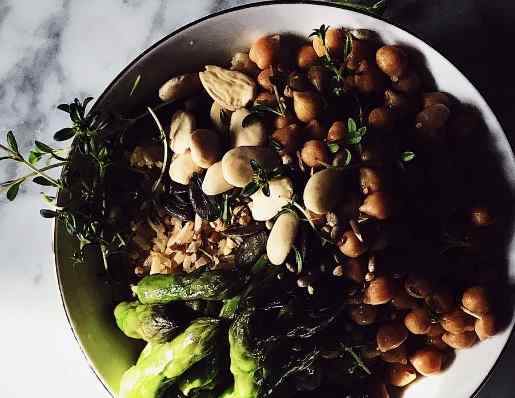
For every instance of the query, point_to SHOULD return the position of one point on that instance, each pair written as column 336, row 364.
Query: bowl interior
column 88, row 301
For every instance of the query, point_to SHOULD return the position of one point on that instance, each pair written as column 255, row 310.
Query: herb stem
column 358, row 360
column 165, row 149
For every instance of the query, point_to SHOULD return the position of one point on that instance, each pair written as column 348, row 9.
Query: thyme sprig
column 260, row 178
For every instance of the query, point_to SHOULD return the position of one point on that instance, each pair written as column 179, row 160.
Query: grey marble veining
column 54, row 50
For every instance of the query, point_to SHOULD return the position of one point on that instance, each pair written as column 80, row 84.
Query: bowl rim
column 255, row 4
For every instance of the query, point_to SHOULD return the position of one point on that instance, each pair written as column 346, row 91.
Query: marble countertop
column 55, row 50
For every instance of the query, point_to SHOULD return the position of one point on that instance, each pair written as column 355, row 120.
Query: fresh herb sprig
column 337, row 71
column 84, row 208
column 261, row 178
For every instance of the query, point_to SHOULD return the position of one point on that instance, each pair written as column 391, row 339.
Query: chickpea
column 283, row 121
column 265, row 98
column 432, row 119
column 461, row 340
column 315, row 130
column 306, row 56
column 363, row 314
column 378, row 205
column 318, row 77
column 400, row 375
column 418, row 321
column 485, row 327
column 337, row 131
column 398, row 103
column 481, row 217
column 381, row 119
column 298, row 82
column 393, row 61
column 390, row 336
column 476, row 300
column 307, row 105
column 266, row 51
column 289, row 138
column 368, row 79
column 403, row 301
column 355, row 269
column 379, row 291
column 441, row 301
column 409, row 84
column 361, row 50
column 314, row 153
column 334, row 43
column 371, row 180
column 417, row 286
column 435, row 330
column 427, row 361
column 457, row 322
column 350, row 245
column 397, row 355
column 435, row 97
column 263, row 79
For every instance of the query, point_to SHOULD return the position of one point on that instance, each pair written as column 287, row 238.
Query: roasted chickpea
column 371, row 180
column 315, row 130
column 314, row 153
column 318, row 77
column 417, row 286
column 306, row 56
column 266, row 51
column 350, row 245
column 379, row 291
column 283, row 121
column 430, row 120
column 397, row 355
column 355, row 269
column 409, row 84
column 368, row 79
column 441, row 301
column 393, row 61
column 381, row 119
column 461, row 340
column 427, row 361
column 378, row 205
column 308, row 105
column 334, row 43
column 337, row 131
column 476, row 300
column 266, row 98
column 400, row 375
column 363, row 314
column 435, row 97
column 298, row 82
column 390, row 336
column 485, row 326
column 481, row 216
column 418, row 321
column 457, row 322
column 398, row 103
column 289, row 137
column 360, row 50
column 403, row 301
column 263, row 79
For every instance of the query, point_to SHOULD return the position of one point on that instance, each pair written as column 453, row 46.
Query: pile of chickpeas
column 439, row 319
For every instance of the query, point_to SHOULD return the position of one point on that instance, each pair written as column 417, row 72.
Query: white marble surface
column 50, row 52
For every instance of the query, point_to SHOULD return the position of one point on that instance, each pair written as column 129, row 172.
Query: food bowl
column 213, row 40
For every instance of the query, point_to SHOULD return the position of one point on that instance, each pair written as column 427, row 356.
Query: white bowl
column 213, row 40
